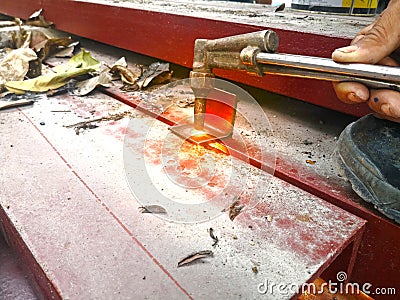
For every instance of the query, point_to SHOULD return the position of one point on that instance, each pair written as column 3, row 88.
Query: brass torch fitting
column 201, row 84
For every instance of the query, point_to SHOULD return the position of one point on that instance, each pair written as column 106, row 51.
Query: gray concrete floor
column 14, row 284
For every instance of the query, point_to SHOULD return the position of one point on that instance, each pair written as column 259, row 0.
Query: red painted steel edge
column 377, row 249
column 38, row 278
column 171, row 37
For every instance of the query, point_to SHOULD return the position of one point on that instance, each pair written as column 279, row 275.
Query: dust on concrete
column 256, row 14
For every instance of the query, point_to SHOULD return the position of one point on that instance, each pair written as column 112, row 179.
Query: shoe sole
column 349, row 167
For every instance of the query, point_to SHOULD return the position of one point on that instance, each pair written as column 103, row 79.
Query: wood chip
column 17, row 103
column 194, row 256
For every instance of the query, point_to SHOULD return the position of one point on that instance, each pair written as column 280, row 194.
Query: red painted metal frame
column 37, row 277
column 46, row 285
column 171, row 38
column 381, row 240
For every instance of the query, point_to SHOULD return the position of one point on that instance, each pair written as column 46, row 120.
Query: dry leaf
column 67, row 51
column 37, row 19
column 154, row 70
column 235, row 209
column 52, row 46
column 121, row 62
column 7, row 23
column 80, row 64
column 15, row 64
column 127, row 76
column 85, row 87
column 20, row 37
column 194, row 256
column 153, row 209
column 162, row 78
column 36, row 14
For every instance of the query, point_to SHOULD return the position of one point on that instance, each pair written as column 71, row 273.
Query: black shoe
column 368, row 153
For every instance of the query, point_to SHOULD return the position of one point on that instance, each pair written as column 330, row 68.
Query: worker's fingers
column 386, row 103
column 376, row 41
column 351, row 92
column 388, row 61
column 362, row 33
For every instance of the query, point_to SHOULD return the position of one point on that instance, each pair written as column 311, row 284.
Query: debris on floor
column 194, row 256
column 37, row 19
column 213, row 237
column 89, row 123
column 83, row 88
column 9, row 100
column 129, row 76
column 15, row 64
column 156, row 73
column 235, row 208
column 153, row 209
column 310, row 162
column 16, row 103
column 80, row 64
column 24, row 67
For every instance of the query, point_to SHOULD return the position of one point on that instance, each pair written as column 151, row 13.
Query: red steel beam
column 171, row 37
column 381, row 239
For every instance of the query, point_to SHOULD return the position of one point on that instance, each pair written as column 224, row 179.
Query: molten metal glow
column 201, row 136
column 219, row 146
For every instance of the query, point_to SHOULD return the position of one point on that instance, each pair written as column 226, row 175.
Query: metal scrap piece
column 194, row 256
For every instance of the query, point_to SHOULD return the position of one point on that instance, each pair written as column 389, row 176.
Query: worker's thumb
column 376, row 41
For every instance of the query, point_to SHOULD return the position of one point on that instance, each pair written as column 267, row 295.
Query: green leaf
column 79, row 64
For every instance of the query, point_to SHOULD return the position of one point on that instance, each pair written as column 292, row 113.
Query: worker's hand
column 378, row 43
